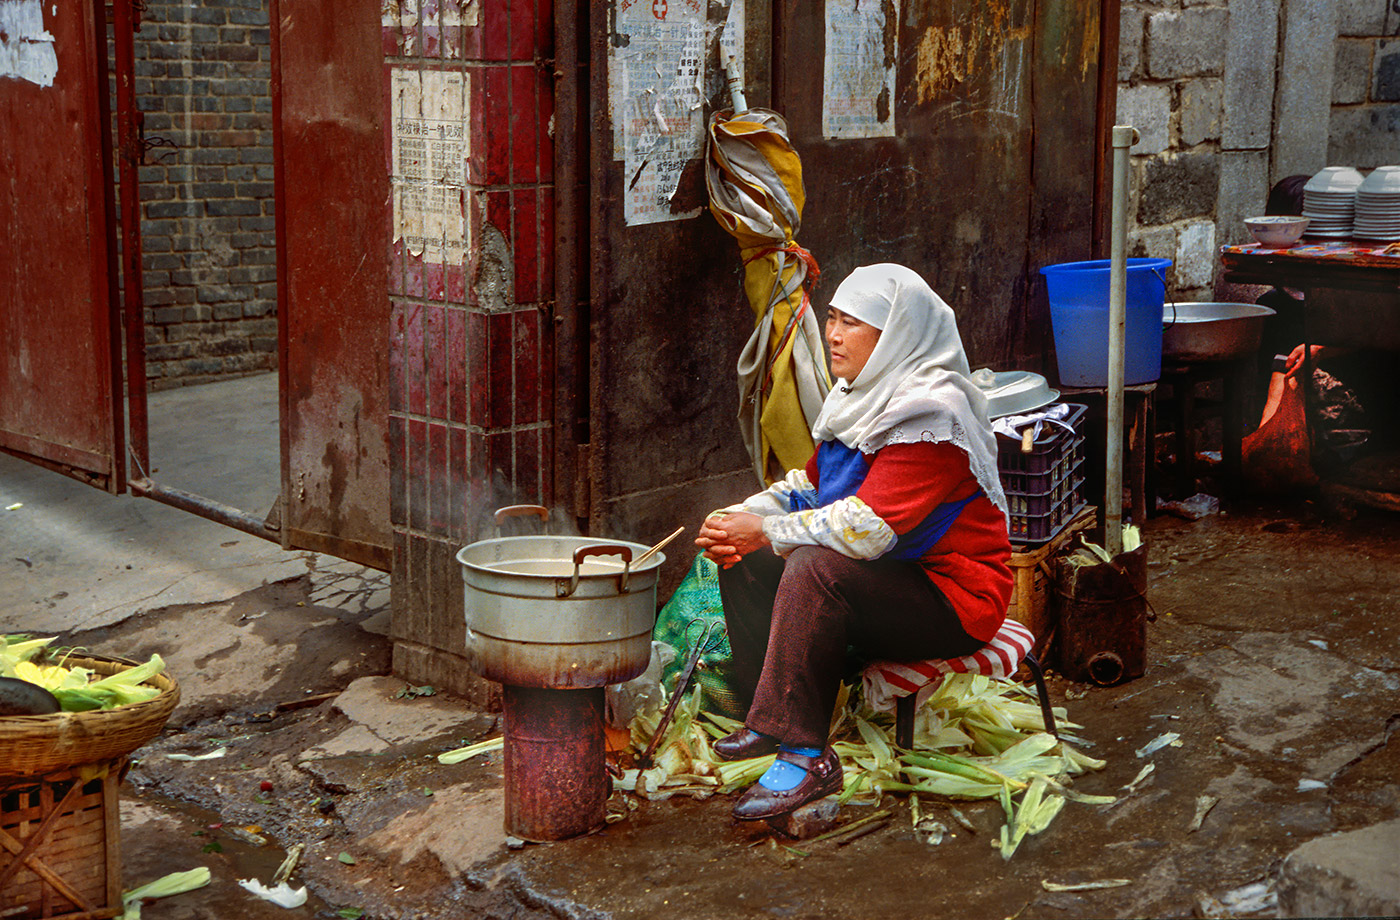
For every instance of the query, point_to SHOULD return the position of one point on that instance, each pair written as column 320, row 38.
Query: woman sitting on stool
column 893, row 539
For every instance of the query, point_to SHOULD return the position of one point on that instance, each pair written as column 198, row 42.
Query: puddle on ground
column 160, row 835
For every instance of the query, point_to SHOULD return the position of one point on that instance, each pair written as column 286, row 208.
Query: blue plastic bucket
column 1078, row 293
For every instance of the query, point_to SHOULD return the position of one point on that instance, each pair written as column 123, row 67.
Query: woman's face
column 851, row 343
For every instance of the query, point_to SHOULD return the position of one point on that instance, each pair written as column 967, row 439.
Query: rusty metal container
column 556, row 784
column 1102, row 635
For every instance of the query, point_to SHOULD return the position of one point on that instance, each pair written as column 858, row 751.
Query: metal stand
column 556, row 783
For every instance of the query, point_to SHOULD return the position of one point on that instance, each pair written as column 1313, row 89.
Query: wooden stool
column 1185, row 409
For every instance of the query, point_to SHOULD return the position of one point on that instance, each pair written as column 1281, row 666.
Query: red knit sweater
column 969, row 564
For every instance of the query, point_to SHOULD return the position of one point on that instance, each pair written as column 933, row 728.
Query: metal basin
column 557, row 612
column 1198, row 332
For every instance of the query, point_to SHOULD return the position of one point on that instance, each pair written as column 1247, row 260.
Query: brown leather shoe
column 823, row 778
column 744, row 744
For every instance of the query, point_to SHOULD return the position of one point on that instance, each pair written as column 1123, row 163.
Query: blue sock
column 783, row 776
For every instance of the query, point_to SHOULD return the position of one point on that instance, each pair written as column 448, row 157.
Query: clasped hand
column 727, row 538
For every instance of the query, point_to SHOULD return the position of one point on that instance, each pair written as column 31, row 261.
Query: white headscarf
column 915, row 386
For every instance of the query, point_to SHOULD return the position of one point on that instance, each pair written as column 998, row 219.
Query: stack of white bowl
column 1378, row 205
column 1329, row 201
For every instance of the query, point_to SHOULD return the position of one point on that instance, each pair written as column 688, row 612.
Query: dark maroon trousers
column 792, row 622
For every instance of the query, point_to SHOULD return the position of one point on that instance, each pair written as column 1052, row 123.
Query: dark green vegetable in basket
column 21, row 698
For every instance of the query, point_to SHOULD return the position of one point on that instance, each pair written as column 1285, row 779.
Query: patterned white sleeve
column 778, row 498
column 847, row 526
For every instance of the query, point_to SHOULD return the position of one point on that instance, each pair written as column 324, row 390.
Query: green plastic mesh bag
column 694, row 614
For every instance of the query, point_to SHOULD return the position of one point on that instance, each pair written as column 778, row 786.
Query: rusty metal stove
column 555, row 620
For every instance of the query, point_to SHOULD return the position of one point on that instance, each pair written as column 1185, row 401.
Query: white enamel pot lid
column 1013, row 392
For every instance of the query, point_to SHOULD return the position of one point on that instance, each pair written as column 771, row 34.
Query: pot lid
column 1013, row 392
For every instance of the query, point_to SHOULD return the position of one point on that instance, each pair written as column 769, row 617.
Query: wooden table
column 1313, row 265
column 1353, row 265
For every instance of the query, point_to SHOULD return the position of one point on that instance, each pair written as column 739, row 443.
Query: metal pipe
column 206, row 508
column 1124, row 136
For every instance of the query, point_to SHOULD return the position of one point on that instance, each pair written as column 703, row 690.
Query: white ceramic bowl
column 1335, row 179
column 1383, row 180
column 1277, row 231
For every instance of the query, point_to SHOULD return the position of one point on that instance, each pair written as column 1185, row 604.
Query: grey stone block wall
column 1303, row 102
column 1172, row 66
column 1232, row 95
column 208, row 232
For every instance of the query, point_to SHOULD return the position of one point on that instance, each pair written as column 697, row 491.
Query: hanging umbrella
column 755, row 183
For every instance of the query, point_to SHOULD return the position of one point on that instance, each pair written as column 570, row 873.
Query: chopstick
column 651, row 552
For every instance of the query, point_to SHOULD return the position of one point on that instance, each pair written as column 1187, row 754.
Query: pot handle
column 598, row 549
column 510, row 511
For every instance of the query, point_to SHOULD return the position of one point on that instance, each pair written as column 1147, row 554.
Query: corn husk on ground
column 77, row 689
column 974, row 738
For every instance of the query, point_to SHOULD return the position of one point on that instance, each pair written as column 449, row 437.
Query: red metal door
column 332, row 271
column 59, row 360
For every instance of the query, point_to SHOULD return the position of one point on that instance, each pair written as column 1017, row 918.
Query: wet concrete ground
column 1273, row 655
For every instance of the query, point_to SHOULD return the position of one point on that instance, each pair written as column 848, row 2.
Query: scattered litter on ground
column 1253, row 898
column 412, row 693
column 249, row 834
column 282, row 894
column 1143, row 774
column 1307, row 785
column 1156, row 744
column 164, row 887
column 1204, row 803
column 212, row 755
column 471, row 750
column 289, row 864
column 1085, row 886
column 1192, row 509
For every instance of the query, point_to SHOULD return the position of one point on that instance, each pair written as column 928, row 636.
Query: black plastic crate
column 1033, row 504
column 1029, row 529
column 1045, row 482
column 1050, row 454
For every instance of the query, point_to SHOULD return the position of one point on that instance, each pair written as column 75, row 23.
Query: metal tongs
column 681, row 684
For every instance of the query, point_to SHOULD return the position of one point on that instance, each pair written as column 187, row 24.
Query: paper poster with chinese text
column 858, row 77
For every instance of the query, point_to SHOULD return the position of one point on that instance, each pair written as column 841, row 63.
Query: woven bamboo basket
column 61, row 853
column 36, row 745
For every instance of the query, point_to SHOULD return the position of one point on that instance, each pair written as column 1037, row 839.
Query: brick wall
column 208, row 235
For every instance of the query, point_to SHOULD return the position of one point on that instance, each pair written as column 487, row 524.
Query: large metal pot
column 1199, row 332
column 557, row 612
